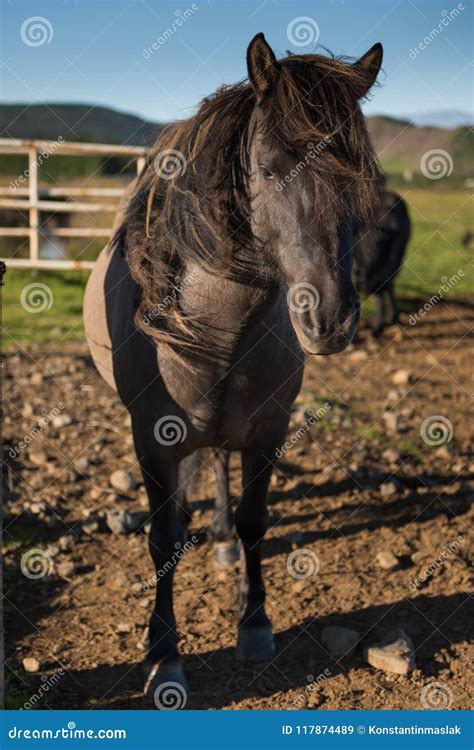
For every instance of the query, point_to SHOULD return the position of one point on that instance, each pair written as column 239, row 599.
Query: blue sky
column 96, row 50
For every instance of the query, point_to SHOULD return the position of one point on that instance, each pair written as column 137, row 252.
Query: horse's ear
column 262, row 65
column 370, row 64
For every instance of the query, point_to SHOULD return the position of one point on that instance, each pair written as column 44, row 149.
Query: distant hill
column 75, row 122
column 399, row 143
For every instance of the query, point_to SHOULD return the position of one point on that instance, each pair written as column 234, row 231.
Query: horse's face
column 313, row 255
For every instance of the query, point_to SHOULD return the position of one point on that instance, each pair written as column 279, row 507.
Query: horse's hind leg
column 391, row 306
column 188, row 475
column 379, row 319
column 222, row 524
column 255, row 639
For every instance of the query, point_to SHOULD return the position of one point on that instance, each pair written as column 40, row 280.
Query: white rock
column 30, row 664
column 391, row 421
column 123, row 481
column 61, row 420
column 395, row 653
column 387, row 560
column 401, row 377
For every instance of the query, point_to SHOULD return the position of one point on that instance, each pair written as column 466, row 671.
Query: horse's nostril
column 313, row 326
column 320, row 327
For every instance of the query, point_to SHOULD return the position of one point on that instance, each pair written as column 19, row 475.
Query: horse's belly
column 95, row 320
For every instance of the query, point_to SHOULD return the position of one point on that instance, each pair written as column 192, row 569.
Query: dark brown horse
column 378, row 254
column 230, row 259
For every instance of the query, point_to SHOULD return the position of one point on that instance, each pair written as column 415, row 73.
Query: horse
column 378, row 255
column 230, row 260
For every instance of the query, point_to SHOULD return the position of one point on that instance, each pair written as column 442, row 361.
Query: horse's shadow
column 217, row 679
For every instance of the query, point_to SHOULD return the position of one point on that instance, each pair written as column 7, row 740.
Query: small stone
column 443, row 452
column 39, row 458
column 36, row 378
column 123, row 481
column 391, row 456
column 66, row 569
column 124, row 627
column 81, row 464
column 66, row 543
column 90, row 526
column 30, row 664
column 395, row 653
column 419, row 556
column 124, row 521
column 340, row 641
column 61, row 420
column 393, row 396
column 358, row 355
column 391, row 421
column 401, row 377
column 388, row 489
column 37, row 507
column 387, row 560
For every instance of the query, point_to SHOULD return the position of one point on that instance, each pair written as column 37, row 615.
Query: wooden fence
column 35, row 200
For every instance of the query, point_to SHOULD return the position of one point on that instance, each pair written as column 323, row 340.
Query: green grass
column 64, row 291
column 440, row 218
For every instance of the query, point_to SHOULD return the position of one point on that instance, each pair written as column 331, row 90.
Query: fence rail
column 35, row 199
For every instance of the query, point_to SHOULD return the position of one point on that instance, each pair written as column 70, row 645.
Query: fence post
column 33, row 197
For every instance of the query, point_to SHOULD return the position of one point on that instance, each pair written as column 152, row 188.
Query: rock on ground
column 339, row 641
column 395, row 653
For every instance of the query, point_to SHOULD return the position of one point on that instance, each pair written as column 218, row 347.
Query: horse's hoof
column 256, row 644
column 226, row 553
column 166, row 683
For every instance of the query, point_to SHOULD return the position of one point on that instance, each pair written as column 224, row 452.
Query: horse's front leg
column 167, row 535
column 255, row 638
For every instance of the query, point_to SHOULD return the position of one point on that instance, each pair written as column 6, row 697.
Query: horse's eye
column 266, row 174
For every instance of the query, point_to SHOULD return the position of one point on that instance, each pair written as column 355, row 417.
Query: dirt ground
column 349, row 486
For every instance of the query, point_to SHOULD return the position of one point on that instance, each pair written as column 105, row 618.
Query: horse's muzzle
column 318, row 337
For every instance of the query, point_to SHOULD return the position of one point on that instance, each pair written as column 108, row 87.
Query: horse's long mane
column 195, row 206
